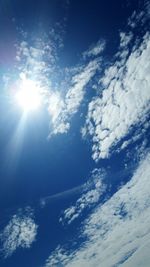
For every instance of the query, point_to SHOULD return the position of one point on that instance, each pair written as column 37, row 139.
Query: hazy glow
column 29, row 96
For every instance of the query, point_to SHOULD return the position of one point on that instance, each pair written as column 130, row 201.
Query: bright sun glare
column 29, row 95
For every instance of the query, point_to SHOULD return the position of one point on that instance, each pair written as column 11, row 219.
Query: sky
column 74, row 133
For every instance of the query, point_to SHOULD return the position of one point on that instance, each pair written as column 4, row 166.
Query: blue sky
column 74, row 138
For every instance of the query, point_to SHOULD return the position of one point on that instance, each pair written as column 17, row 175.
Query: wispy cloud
column 36, row 61
column 125, row 39
column 20, row 232
column 139, row 19
column 95, row 50
column 91, row 193
column 69, row 105
column 117, row 231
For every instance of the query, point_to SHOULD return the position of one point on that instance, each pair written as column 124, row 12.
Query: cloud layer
column 124, row 100
column 117, row 231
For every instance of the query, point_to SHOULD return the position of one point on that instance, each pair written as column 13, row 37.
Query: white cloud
column 125, row 39
column 20, row 232
column 123, row 102
column 76, row 93
column 36, row 62
column 69, row 105
column 139, row 19
column 55, row 105
column 91, row 193
column 117, row 232
column 95, row 50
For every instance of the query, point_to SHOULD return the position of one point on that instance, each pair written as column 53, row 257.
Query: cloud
column 125, row 39
column 95, row 50
column 118, row 231
column 140, row 258
column 20, row 232
column 66, row 107
column 139, row 19
column 124, row 100
column 91, row 193
column 36, row 61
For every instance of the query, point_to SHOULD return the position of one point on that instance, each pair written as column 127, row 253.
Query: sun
column 29, row 95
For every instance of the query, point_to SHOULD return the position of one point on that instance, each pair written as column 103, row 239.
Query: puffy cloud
column 118, row 231
column 20, row 232
column 124, row 101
